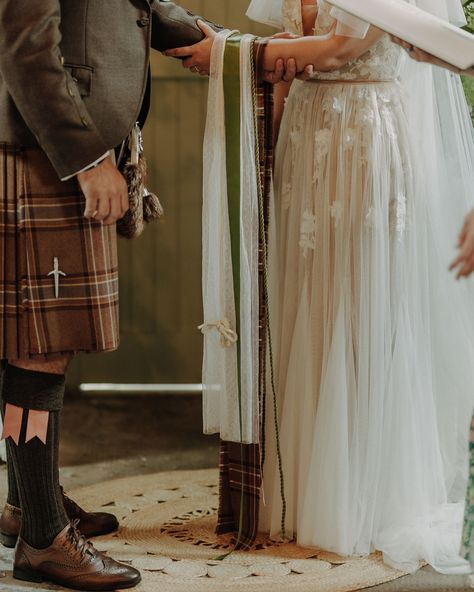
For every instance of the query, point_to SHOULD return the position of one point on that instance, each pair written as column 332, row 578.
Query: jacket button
column 70, row 91
column 143, row 22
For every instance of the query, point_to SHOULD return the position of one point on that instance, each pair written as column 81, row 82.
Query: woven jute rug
column 167, row 532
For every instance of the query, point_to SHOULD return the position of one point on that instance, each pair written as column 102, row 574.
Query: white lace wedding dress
column 359, row 359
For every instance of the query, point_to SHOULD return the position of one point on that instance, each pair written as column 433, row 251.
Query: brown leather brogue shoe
column 90, row 524
column 73, row 562
column 10, row 522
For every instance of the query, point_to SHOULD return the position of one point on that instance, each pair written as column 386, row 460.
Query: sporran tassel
column 144, row 207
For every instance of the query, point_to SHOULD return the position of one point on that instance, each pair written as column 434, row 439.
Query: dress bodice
column 381, row 62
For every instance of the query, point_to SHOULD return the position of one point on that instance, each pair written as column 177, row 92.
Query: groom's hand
column 283, row 71
column 196, row 58
column 106, row 193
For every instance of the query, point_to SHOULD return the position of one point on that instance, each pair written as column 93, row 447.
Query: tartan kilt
column 42, row 226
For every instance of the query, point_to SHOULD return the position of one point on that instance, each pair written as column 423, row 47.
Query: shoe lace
column 77, row 543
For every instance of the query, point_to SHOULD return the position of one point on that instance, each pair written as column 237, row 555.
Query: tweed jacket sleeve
column 174, row 26
column 42, row 89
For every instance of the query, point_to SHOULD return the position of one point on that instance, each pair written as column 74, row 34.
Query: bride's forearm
column 316, row 51
column 324, row 53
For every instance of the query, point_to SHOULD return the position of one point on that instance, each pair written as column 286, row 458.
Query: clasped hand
column 197, row 58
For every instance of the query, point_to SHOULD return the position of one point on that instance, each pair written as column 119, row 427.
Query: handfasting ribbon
column 231, row 83
column 235, row 223
column 263, row 208
column 233, row 136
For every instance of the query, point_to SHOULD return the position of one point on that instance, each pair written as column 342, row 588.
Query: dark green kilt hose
column 58, row 271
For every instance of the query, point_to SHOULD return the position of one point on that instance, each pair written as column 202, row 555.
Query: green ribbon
column 232, row 107
column 231, row 82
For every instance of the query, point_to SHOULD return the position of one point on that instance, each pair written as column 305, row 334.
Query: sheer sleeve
column 449, row 10
column 282, row 14
column 351, row 26
column 267, row 12
column 348, row 25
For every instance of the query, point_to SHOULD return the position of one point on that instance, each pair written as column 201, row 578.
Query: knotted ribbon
column 227, row 335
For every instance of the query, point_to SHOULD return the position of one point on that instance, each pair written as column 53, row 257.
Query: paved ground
column 108, row 437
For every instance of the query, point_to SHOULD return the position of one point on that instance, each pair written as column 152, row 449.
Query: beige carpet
column 167, row 532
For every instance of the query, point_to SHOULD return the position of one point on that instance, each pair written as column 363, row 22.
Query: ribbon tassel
column 37, row 425
column 12, row 423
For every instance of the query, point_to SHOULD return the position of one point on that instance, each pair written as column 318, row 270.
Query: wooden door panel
column 160, row 273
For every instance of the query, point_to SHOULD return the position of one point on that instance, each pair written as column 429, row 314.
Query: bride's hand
column 196, row 58
column 422, row 56
column 464, row 263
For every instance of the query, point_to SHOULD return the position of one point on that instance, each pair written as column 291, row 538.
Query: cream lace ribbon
column 228, row 335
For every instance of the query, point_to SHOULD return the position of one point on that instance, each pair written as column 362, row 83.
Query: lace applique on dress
column 308, row 232
column 399, row 215
column 380, row 62
column 336, row 211
column 292, row 18
column 322, row 143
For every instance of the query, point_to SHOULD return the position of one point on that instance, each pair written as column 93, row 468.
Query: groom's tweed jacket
column 73, row 74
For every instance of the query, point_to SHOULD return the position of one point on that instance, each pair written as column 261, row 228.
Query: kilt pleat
column 58, row 271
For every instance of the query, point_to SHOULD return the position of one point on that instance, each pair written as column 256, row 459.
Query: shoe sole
column 27, row 575
column 8, row 540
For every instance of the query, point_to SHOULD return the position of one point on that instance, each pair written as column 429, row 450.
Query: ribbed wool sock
column 36, row 464
column 13, row 497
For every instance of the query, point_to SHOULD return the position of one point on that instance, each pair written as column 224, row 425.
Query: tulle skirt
column 361, row 339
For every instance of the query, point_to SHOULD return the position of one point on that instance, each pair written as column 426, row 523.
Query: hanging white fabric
column 282, row 14
column 267, row 12
column 220, row 366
